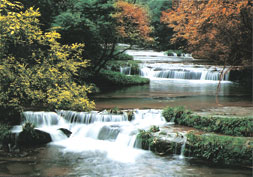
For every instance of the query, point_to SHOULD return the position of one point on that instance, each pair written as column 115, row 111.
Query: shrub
column 124, row 56
column 4, row 132
column 154, row 128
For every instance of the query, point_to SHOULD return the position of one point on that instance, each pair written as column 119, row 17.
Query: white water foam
column 180, row 71
column 97, row 131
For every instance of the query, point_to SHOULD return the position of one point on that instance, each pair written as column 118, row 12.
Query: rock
column 33, row 138
column 65, row 131
column 165, row 147
column 130, row 115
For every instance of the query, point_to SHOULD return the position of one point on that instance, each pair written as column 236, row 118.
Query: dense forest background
column 52, row 50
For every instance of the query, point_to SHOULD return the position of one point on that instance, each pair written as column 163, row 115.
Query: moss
column 154, row 128
column 116, row 65
column 109, row 78
column 236, row 126
column 220, row 149
column 146, row 138
column 172, row 113
column 225, row 150
column 151, row 141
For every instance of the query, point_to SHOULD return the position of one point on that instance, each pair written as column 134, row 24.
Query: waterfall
column 125, row 70
column 91, row 117
column 94, row 124
column 181, row 156
column 101, row 131
column 41, row 118
column 182, row 72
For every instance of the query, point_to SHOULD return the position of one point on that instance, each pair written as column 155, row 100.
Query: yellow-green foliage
column 35, row 69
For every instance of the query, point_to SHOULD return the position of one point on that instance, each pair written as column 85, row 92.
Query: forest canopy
column 219, row 30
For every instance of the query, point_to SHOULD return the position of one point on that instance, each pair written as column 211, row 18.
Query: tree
column 35, row 69
column 100, row 25
column 132, row 22
column 218, row 30
column 48, row 9
column 161, row 33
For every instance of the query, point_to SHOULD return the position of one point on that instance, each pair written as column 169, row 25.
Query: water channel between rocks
column 103, row 144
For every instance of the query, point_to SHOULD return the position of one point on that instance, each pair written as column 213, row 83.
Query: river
column 104, row 145
column 176, row 81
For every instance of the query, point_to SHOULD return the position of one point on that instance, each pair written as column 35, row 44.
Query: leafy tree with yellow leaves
column 35, row 69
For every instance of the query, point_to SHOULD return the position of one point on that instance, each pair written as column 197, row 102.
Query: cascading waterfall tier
column 125, row 70
column 179, row 71
column 91, row 117
column 95, row 130
column 41, row 118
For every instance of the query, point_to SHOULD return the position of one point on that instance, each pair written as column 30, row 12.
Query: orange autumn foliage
column 132, row 21
column 220, row 30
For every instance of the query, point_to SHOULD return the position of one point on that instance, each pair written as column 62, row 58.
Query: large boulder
column 34, row 137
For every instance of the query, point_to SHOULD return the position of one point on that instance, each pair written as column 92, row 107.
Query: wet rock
column 33, row 138
column 130, row 115
column 65, row 131
column 165, row 147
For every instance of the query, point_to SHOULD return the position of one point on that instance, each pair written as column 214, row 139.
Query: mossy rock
column 235, row 126
column 220, row 149
column 165, row 147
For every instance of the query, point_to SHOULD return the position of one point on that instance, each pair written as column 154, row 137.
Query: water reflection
column 164, row 92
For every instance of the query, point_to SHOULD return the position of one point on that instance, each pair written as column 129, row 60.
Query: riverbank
column 222, row 140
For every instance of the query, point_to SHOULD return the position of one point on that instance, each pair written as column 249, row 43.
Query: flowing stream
column 106, row 145
column 176, row 81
